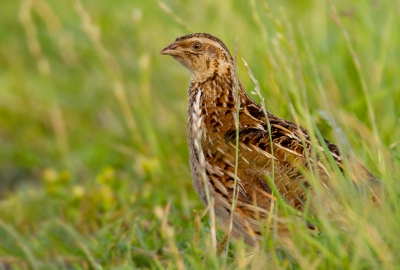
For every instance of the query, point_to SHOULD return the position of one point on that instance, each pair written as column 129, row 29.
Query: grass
column 94, row 160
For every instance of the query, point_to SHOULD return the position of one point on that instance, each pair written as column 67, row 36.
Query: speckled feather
column 213, row 83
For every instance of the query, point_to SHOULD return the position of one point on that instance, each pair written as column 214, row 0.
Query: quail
column 267, row 144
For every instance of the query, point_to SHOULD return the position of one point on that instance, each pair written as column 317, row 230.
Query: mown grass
column 93, row 154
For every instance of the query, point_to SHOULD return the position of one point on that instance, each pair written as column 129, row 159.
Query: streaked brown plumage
column 212, row 112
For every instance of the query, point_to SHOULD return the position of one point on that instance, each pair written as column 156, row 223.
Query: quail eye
column 196, row 45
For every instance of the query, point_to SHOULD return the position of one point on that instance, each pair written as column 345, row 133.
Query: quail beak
column 170, row 50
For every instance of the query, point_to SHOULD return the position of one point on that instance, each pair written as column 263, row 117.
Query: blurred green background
column 93, row 152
